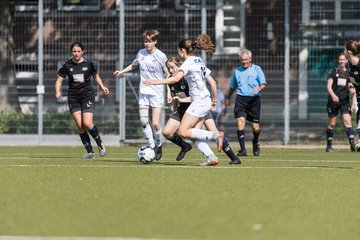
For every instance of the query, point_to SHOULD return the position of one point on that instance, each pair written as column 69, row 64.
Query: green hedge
column 20, row 123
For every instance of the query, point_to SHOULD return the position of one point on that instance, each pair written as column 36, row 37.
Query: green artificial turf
column 285, row 193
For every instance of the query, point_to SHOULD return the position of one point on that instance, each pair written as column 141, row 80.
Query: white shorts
column 151, row 100
column 200, row 107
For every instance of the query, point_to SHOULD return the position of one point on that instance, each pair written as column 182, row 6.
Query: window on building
column 28, row 5
column 350, row 10
column 74, row 5
column 331, row 10
column 322, row 10
column 141, row 5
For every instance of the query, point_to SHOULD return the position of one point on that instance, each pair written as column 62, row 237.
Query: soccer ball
column 146, row 154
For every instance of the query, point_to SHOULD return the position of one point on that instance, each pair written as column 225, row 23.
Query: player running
column 81, row 96
column 181, row 101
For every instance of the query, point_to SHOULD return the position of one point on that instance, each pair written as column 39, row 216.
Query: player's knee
column 156, row 126
column 182, row 133
column 166, row 134
column 144, row 120
column 87, row 126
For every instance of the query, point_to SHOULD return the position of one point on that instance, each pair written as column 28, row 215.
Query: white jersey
column 152, row 66
column 195, row 73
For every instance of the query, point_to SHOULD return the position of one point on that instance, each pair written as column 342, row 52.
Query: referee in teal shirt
column 249, row 81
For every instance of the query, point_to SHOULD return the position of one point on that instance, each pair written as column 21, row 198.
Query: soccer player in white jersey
column 194, row 71
column 151, row 62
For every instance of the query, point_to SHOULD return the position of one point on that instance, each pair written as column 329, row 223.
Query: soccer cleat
column 235, row 160
column 158, row 152
column 102, row 150
column 242, row 153
column 256, row 148
column 329, row 148
column 219, row 140
column 352, row 147
column 357, row 147
column 211, row 160
column 89, row 155
column 183, row 151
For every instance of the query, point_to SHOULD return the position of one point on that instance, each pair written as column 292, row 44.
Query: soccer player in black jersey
column 81, row 96
column 352, row 52
column 181, row 101
column 338, row 87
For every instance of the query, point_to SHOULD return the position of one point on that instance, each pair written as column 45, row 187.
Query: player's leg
column 253, row 116
column 210, row 158
column 156, row 102
column 187, row 128
column 170, row 133
column 196, row 111
column 156, row 114
column 144, row 103
column 239, row 115
column 84, row 136
column 240, row 123
column 330, row 133
column 211, row 126
column 332, row 111
column 358, row 127
column 88, row 108
column 349, row 130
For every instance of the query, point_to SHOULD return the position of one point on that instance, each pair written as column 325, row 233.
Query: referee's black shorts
column 247, row 107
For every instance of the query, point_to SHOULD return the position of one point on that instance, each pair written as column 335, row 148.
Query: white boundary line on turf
column 173, row 166
column 77, row 238
column 115, row 160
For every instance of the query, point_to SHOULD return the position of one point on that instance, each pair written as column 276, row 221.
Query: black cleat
column 183, row 151
column 235, row 160
column 158, row 152
column 329, row 148
column 256, row 148
column 352, row 147
column 242, row 153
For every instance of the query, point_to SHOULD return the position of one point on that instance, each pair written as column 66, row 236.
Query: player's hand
column 335, row 99
column 149, row 82
column 213, row 105
column 105, row 90
column 117, row 73
column 58, row 96
column 169, row 99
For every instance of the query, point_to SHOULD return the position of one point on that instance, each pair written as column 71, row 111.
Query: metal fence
column 111, row 32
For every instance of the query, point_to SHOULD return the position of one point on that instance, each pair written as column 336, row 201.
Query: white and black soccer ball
column 146, row 154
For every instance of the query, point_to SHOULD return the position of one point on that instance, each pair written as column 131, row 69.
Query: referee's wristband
column 227, row 97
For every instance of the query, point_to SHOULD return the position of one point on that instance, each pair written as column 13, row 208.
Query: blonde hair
column 175, row 60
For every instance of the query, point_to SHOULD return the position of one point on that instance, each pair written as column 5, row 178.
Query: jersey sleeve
column 207, row 72
column 62, row 71
column 136, row 62
column 261, row 76
column 93, row 69
column 233, row 83
column 331, row 74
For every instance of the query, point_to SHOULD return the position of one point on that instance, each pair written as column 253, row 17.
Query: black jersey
column 180, row 89
column 340, row 84
column 79, row 75
column 354, row 73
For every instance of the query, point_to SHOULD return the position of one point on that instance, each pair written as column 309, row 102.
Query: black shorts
column 81, row 101
column 333, row 108
column 247, row 107
column 179, row 112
